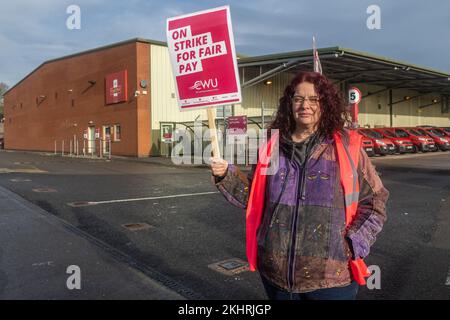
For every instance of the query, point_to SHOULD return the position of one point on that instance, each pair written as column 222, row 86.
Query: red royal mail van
column 402, row 143
column 368, row 146
column 439, row 137
column 382, row 145
column 421, row 142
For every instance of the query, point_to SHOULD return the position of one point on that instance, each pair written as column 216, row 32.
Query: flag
column 317, row 65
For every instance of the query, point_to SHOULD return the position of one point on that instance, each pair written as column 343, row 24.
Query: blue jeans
column 339, row 293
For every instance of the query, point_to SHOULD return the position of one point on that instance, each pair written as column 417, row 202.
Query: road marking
column 44, row 190
column 20, row 180
column 447, row 283
column 92, row 203
column 7, row 170
column 41, row 264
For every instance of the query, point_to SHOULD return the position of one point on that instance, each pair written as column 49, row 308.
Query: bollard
column 109, row 149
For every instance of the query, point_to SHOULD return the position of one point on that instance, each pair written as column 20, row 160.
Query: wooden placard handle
column 212, row 126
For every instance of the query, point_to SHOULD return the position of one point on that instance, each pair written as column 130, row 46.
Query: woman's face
column 305, row 105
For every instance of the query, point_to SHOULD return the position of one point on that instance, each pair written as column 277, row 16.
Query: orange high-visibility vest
column 255, row 205
column 348, row 158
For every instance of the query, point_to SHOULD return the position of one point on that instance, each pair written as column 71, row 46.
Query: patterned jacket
column 303, row 243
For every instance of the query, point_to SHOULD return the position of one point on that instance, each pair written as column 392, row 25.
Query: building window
column 107, row 132
column 73, row 102
column 117, row 132
column 445, row 107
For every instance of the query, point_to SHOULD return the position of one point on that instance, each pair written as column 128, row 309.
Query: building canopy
column 350, row 66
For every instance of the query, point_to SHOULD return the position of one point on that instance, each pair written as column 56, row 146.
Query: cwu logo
column 200, row 85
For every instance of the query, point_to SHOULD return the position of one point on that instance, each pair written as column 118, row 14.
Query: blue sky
column 413, row 31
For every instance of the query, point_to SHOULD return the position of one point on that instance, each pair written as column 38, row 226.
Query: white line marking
column 45, row 190
column 91, row 203
column 24, row 170
column 20, row 180
column 40, row 264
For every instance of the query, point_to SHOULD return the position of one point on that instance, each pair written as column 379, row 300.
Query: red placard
column 116, row 87
column 201, row 47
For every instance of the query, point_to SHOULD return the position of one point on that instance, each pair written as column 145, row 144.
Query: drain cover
column 43, row 190
column 137, row 226
column 230, row 267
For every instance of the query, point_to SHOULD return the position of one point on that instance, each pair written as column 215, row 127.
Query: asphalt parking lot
column 173, row 225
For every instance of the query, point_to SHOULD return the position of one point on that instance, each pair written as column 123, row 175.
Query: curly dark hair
column 332, row 105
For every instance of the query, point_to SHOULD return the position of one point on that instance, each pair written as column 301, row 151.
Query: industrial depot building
column 125, row 93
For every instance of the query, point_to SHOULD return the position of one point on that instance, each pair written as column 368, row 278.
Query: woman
column 320, row 212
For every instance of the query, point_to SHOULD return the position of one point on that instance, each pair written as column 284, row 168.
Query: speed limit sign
column 354, row 95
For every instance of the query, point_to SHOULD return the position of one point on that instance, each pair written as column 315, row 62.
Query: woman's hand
column 219, row 167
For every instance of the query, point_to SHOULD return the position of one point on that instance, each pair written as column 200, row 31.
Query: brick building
column 125, row 93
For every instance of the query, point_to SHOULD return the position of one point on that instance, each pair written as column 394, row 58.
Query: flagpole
column 316, row 61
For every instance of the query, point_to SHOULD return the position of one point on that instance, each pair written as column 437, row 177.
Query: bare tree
column 3, row 88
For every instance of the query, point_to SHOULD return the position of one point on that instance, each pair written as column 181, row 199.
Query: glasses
column 299, row 100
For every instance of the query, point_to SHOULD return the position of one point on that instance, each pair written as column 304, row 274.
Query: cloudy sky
column 413, row 31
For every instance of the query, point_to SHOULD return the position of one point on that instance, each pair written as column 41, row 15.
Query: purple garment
column 318, row 237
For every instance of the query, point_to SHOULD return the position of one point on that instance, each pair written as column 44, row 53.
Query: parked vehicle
column 439, row 137
column 402, row 143
column 381, row 145
column 424, row 142
column 446, row 130
column 419, row 143
column 368, row 146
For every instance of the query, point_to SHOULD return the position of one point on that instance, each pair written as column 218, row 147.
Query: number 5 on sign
column 354, row 98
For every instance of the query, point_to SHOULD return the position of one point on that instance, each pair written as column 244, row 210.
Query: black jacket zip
column 301, row 190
